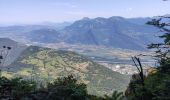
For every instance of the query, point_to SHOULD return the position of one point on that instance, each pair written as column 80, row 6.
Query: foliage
column 15, row 88
column 115, row 96
column 162, row 49
column 156, row 88
column 159, row 86
column 66, row 88
column 136, row 90
column 21, row 87
column 156, row 85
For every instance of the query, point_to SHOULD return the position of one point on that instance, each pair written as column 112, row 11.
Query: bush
column 15, row 88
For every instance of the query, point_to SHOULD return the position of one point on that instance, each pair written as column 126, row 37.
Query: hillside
column 43, row 64
column 13, row 54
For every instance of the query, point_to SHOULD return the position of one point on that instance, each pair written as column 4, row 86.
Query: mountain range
column 116, row 32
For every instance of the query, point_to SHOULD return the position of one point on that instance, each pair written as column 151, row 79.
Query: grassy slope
column 42, row 64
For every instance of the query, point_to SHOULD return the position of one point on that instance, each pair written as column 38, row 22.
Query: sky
column 37, row 11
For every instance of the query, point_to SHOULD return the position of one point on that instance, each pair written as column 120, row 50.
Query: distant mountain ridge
column 117, row 32
column 43, row 35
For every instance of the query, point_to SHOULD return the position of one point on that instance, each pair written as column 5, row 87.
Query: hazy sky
column 34, row 11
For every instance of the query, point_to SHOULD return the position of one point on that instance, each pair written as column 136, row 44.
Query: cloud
column 129, row 9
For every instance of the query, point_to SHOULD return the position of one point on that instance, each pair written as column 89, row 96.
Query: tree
column 15, row 89
column 154, row 86
column 162, row 49
column 67, row 88
column 137, row 89
column 115, row 96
